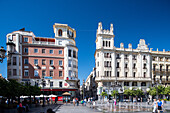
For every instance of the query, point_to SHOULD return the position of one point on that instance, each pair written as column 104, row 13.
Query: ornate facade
column 137, row 68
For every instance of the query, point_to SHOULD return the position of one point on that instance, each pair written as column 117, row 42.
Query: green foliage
column 13, row 88
column 139, row 92
column 104, row 94
column 167, row 90
column 114, row 93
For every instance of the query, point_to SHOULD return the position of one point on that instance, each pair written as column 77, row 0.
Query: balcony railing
column 44, row 42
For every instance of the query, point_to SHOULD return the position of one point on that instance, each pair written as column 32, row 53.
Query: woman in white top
column 154, row 106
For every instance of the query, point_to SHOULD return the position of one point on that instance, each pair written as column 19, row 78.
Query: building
column 137, row 68
column 54, row 59
column 90, row 88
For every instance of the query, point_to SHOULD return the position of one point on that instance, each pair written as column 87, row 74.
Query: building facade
column 54, row 59
column 90, row 86
column 137, row 68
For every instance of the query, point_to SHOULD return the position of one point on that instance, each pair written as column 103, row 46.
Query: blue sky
column 132, row 20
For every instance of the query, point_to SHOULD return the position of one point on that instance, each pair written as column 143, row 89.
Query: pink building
column 54, row 59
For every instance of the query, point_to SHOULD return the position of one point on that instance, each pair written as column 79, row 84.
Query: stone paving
column 75, row 109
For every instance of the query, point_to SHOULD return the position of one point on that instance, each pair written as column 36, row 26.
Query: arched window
column 59, row 32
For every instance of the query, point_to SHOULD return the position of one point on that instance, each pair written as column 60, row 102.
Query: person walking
column 74, row 101
column 85, row 101
column 77, row 101
column 154, row 104
column 159, row 105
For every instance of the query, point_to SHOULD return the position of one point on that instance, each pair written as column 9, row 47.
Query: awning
column 66, row 94
column 58, row 89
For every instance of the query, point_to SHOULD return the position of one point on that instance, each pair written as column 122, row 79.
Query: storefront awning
column 58, row 89
column 66, row 94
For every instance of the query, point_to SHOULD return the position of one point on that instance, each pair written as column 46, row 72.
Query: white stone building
column 131, row 67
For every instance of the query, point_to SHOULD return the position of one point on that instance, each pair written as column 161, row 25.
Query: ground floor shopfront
column 59, row 93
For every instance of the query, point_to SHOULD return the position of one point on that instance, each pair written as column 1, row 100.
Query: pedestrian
column 85, row 100
column 148, row 100
column 66, row 100
column 74, row 101
column 77, row 101
column 159, row 105
column 20, row 108
column 154, row 104
column 94, row 104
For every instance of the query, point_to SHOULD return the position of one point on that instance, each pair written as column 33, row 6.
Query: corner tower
column 104, row 38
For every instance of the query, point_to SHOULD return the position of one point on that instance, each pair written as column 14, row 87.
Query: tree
column 114, row 93
column 139, row 92
column 103, row 95
column 167, row 90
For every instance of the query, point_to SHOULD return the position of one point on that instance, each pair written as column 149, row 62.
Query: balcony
column 43, row 42
column 144, row 61
column 134, row 69
column 126, row 59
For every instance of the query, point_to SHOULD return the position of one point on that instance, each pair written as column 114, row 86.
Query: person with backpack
column 159, row 105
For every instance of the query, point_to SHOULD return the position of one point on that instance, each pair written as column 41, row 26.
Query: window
column 134, row 83
column 69, row 53
column 109, row 43
column 60, row 52
column 51, row 51
column 26, row 39
column 51, row 73
column 69, row 63
column 14, row 60
column 36, row 73
column 25, row 50
column 134, row 74
column 97, row 54
column 60, row 84
column 43, row 50
column 70, row 73
column 59, row 32
column 59, row 42
column 117, row 64
column 35, row 61
column 126, row 83
column 106, row 43
column 60, row 62
column 118, row 57
column 60, row 73
column 14, row 72
column 126, row 56
column 74, row 54
column 35, row 50
column 154, row 66
column 26, row 61
column 126, row 73
column 144, row 74
column 126, row 65
column 43, row 61
column 9, row 72
column 98, row 73
column 103, row 43
column 51, row 84
column 144, row 57
column 143, row 84
column 26, row 73
column 144, row 66
column 134, row 66
column 51, row 62
column 97, row 64
column 160, row 67
column 117, row 74
column 43, row 73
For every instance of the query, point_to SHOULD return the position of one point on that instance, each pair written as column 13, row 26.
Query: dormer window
column 59, row 32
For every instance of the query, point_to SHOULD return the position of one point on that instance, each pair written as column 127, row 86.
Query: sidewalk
column 69, row 108
column 41, row 109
